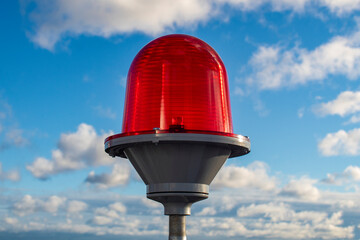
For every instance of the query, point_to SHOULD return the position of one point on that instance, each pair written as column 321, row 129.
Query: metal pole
column 177, row 227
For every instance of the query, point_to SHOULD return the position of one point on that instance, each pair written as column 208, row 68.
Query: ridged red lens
column 177, row 82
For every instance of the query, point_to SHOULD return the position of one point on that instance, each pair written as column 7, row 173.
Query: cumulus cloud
column 106, row 215
column 265, row 218
column 253, row 176
column 53, row 204
column 212, row 227
column 354, row 119
column 12, row 175
column 75, row 206
column 341, row 143
column 346, row 204
column 346, row 103
column 277, row 212
column 128, row 226
column 59, row 19
column 119, row 175
column 302, row 188
column 207, row 211
column 285, row 224
column 28, row 205
column 228, row 202
column 351, row 173
column 342, row 7
column 25, row 206
column 75, row 151
column 273, row 67
column 150, row 203
column 118, row 207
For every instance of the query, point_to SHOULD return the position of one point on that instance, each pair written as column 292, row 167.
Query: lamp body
column 177, row 82
column 177, row 128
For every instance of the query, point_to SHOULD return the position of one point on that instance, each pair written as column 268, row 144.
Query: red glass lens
column 177, row 83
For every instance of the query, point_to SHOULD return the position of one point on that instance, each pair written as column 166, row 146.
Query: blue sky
column 293, row 69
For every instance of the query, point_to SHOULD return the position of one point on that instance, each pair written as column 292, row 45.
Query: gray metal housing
column 177, row 167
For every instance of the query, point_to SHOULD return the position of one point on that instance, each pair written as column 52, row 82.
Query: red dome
column 177, row 83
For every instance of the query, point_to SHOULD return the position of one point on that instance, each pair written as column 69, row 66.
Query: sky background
column 293, row 70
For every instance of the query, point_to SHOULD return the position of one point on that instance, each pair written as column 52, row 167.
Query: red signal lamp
column 177, row 81
column 177, row 128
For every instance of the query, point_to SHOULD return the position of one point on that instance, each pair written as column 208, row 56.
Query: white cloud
column 75, row 151
column 341, row 143
column 150, row 203
column 25, row 206
column 28, row 205
column 279, row 220
column 302, row 188
column 207, row 211
column 103, row 211
column 254, row 176
column 276, row 5
column 57, row 206
column 277, row 212
column 75, row 206
column 274, row 68
column 11, row 221
column 125, row 226
column 212, row 227
column 342, row 7
column 118, row 207
column 286, row 224
column 268, row 210
column 106, row 215
column 346, row 204
column 60, row 19
column 236, row 214
column 346, row 103
column 53, row 204
column 354, row 119
column 228, row 203
column 351, row 173
column 119, row 175
column 102, row 220
column 12, row 175
column 258, row 217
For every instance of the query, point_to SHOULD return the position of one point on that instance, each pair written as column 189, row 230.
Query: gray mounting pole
column 177, row 227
